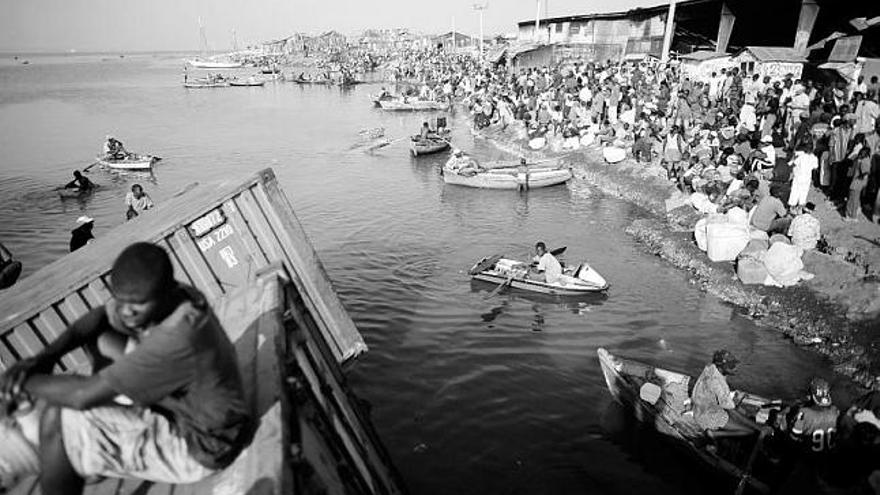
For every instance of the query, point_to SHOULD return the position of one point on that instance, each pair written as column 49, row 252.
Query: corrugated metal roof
column 701, row 55
column 643, row 7
column 775, row 53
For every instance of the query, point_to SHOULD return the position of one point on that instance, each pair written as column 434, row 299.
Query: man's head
column 142, row 280
column 820, row 392
column 137, row 190
column 725, row 361
column 77, row 174
column 540, row 248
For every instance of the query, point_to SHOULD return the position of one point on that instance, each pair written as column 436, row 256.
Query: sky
column 161, row 25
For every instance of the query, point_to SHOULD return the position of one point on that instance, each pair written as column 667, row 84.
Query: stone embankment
column 837, row 313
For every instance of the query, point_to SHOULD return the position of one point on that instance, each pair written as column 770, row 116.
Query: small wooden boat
column 322, row 82
column 660, row 397
column 203, row 83
column 412, row 105
column 214, row 64
column 575, row 280
column 241, row 245
column 465, row 171
column 132, row 162
column 427, row 146
column 247, row 82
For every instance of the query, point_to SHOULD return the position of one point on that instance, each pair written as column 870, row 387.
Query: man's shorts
column 127, row 442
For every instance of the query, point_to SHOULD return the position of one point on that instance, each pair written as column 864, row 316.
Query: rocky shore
column 837, row 313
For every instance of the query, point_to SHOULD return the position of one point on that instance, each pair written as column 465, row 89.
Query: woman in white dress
column 802, row 174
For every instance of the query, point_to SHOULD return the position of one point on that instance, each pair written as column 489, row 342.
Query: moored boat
column 205, row 83
column 323, row 82
column 214, row 64
column 412, row 105
column 660, row 397
column 465, row 171
column 131, row 162
column 247, row 82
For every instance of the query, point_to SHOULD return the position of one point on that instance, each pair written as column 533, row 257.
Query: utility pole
column 670, row 29
column 453, row 33
column 480, row 7
column 537, row 21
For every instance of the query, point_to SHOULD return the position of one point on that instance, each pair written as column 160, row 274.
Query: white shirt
column 551, row 268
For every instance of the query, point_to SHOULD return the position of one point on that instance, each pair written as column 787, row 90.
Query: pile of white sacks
column 760, row 259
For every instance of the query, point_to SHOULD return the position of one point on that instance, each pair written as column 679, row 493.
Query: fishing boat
column 575, row 280
column 463, row 170
column 241, row 245
column 132, row 161
column 660, row 397
column 412, row 105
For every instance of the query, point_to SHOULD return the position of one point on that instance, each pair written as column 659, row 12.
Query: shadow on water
column 579, row 305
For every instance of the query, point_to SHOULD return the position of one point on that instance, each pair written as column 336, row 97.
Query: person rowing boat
column 545, row 266
column 114, row 150
column 714, row 404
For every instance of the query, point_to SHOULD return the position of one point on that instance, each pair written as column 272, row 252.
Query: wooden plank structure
column 242, row 246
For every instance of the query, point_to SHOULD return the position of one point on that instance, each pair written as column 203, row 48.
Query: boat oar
column 90, row 166
column 500, row 286
column 558, row 251
column 747, row 472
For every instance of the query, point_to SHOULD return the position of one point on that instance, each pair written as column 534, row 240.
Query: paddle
column 747, row 472
column 90, row 166
column 500, row 286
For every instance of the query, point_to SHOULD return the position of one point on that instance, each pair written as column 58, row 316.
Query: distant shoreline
column 10, row 54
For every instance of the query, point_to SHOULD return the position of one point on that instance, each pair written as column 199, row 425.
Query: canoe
column 239, row 242
column 247, row 83
column 412, row 105
column 212, row 64
column 576, row 280
column 132, row 162
column 659, row 397
column 507, row 177
column 324, row 82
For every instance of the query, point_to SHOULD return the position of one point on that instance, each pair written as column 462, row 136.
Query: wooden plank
column 24, row 341
column 241, row 223
column 7, row 358
column 317, row 292
column 72, row 307
column 50, row 325
column 180, row 272
column 95, row 293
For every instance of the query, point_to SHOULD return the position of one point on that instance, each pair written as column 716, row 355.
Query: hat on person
column 723, row 357
column 85, row 219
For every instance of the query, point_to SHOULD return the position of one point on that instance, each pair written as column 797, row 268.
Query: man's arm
column 70, row 391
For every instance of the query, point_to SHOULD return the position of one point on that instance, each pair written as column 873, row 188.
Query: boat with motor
column 575, row 280
column 464, row 170
column 661, row 397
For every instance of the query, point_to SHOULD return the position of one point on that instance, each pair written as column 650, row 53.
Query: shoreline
column 834, row 314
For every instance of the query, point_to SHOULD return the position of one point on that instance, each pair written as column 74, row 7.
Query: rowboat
column 575, row 280
column 324, row 82
column 201, row 83
column 247, row 82
column 660, row 397
column 412, row 105
column 465, row 171
column 131, row 162
column 241, row 245
column 419, row 146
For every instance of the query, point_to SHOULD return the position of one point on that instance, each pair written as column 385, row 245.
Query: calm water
column 471, row 395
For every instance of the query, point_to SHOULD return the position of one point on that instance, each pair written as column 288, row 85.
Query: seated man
column 770, row 214
column 80, row 182
column 159, row 347
column 547, row 266
column 113, row 149
column 714, row 404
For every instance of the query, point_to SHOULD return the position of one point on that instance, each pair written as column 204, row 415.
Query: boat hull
column 427, row 147
column 142, row 162
column 207, row 64
column 510, row 178
column 626, row 380
column 247, row 84
column 196, row 85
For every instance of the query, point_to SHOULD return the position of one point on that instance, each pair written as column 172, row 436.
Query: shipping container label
column 207, row 223
column 213, row 238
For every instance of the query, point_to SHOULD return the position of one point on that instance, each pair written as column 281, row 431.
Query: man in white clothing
column 547, row 265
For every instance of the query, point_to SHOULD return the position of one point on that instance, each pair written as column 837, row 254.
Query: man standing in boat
column 546, row 265
column 165, row 404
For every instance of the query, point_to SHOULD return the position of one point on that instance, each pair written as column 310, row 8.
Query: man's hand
column 12, row 382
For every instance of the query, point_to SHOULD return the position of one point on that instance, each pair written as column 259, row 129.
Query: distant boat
column 251, row 81
column 204, row 61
